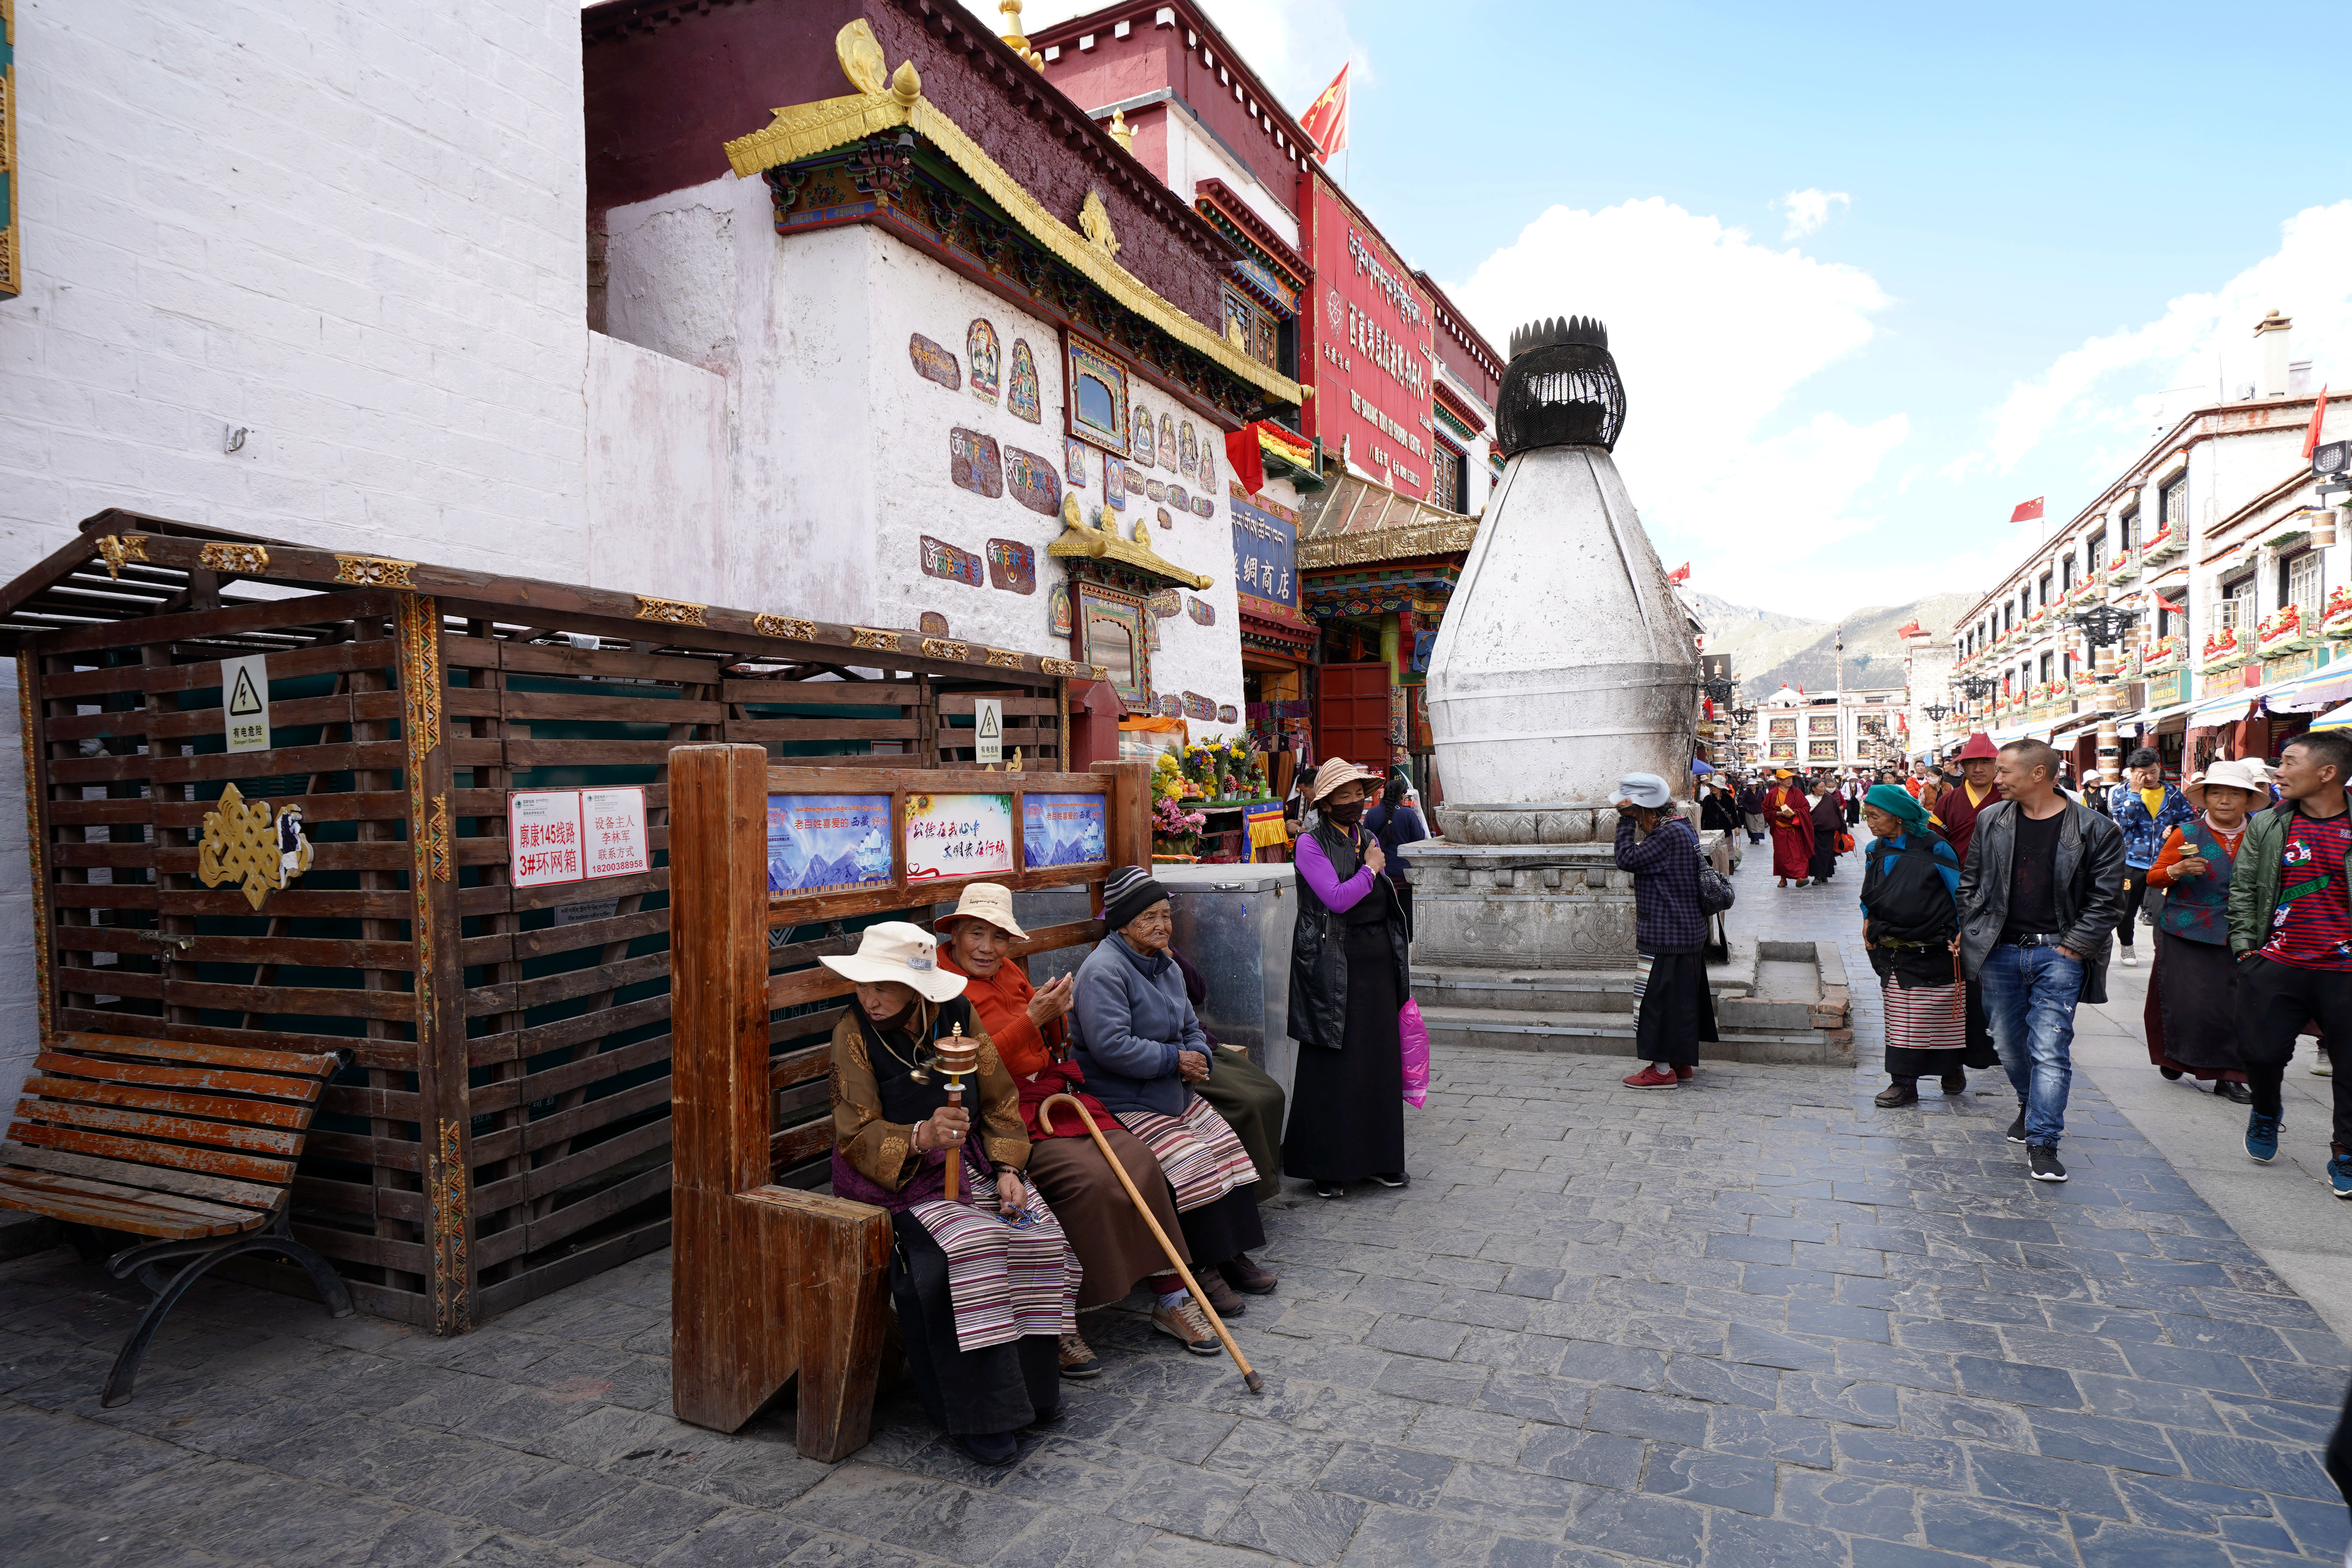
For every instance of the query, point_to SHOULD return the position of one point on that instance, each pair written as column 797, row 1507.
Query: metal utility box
column 1233, row 922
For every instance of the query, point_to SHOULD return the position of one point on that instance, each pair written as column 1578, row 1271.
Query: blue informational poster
column 1062, row 830
column 828, row 843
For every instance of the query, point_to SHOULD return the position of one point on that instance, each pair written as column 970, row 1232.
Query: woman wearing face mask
column 1349, row 976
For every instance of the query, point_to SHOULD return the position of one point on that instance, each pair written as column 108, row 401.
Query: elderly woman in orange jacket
column 1114, row 1246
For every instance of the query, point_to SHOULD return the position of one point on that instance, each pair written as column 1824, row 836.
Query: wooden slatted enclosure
column 504, row 1127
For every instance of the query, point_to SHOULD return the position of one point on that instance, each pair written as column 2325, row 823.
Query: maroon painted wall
column 668, row 84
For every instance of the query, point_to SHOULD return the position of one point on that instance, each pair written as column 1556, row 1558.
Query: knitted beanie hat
column 1129, row 891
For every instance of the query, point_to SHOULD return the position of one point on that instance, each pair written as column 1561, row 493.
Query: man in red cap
column 1956, row 813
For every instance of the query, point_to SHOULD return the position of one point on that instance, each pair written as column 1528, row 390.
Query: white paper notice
column 613, row 829
column 544, row 837
column 988, row 730
column 244, row 702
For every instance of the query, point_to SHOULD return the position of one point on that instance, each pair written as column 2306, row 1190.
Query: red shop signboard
column 1366, row 344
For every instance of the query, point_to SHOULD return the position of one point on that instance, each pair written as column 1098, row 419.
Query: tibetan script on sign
column 975, row 463
column 1034, row 482
column 934, row 362
column 1012, row 565
column 941, row 559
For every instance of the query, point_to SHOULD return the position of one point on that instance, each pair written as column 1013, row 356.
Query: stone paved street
column 1747, row 1323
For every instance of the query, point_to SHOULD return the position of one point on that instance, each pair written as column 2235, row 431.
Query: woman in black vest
column 1910, row 920
column 1349, row 976
column 2191, row 1014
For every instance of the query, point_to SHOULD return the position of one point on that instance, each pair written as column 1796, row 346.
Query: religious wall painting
column 1167, row 441
column 1208, row 475
column 1073, row 462
column 1115, row 484
column 934, row 362
column 1169, row 707
column 1141, row 449
column 1166, row 603
column 1137, row 485
column 932, row 624
column 1203, row 612
column 974, row 462
column 1013, row 566
column 1032, row 481
column 1112, row 635
column 1150, row 632
column 1155, row 488
column 1021, row 396
column 1228, row 714
column 1203, row 507
column 1165, row 520
column 1199, row 707
column 1188, row 450
column 1179, row 499
column 1097, row 404
column 980, row 352
column 1057, row 611
column 944, row 561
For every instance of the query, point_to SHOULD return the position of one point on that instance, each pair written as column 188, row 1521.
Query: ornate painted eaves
column 805, row 131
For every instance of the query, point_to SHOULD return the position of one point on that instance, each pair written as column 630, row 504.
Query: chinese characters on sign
column 612, row 832
column 958, row 835
column 1264, row 547
column 244, row 702
column 544, row 837
column 828, row 843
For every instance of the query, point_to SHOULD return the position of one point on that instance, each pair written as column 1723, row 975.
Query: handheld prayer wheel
column 957, row 1057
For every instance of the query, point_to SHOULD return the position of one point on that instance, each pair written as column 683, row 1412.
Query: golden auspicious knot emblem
column 250, row 559
column 374, row 571
column 252, row 846
column 1060, row 667
column 940, row 648
column 118, row 549
column 675, row 610
column 788, row 626
column 1003, row 659
column 867, row 637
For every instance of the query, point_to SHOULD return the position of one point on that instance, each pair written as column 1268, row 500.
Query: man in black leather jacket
column 2038, row 898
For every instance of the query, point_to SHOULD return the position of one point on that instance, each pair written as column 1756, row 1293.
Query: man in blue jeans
column 2039, row 896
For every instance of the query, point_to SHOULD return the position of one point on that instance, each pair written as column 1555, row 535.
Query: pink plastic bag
column 1415, row 1035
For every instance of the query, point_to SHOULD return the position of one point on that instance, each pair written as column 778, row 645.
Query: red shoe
column 1682, row 1075
column 1652, row 1076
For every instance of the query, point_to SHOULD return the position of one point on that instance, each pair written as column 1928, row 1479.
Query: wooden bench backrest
column 116, row 1125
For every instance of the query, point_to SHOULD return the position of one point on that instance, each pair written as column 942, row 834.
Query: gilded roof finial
column 906, row 86
column 1120, row 131
column 1011, row 34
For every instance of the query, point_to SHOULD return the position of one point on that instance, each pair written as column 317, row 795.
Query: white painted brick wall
column 358, row 230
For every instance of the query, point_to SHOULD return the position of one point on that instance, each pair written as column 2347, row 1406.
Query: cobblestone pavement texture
column 1746, row 1323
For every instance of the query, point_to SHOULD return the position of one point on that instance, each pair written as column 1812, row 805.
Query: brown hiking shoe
column 1184, row 1323
column 1077, row 1361
column 1246, row 1276
column 1219, row 1295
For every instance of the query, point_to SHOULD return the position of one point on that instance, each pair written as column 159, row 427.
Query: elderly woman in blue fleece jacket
column 1140, row 1045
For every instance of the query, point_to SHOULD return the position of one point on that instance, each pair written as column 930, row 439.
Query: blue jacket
column 2144, row 836
column 1129, row 1016
column 1395, row 829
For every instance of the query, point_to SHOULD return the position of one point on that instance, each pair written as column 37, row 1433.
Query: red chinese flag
column 1245, row 457
column 2168, row 604
column 2311, row 436
column 1326, row 118
column 1680, row 573
column 2027, row 511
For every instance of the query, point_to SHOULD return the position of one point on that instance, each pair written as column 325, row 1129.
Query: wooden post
column 765, row 1281
column 1127, row 791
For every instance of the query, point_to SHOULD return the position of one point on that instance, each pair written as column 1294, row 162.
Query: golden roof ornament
column 861, row 58
column 1120, row 131
column 1103, row 541
column 1094, row 222
column 1011, row 9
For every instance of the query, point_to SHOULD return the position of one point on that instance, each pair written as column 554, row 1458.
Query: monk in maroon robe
column 1956, row 810
column 1790, row 815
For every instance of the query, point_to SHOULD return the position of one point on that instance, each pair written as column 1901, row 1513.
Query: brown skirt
column 1114, row 1246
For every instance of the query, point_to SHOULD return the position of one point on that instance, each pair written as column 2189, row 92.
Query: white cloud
column 2106, row 397
column 1808, row 210
column 1715, row 335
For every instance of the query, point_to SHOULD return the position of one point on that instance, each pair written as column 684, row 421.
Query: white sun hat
column 898, row 950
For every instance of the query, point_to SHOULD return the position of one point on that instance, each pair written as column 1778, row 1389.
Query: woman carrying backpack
column 1911, row 927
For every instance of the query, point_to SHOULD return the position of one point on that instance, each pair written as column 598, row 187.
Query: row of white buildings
column 2229, row 578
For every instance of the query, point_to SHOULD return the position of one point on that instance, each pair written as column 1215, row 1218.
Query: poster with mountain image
column 1062, row 829
column 828, row 843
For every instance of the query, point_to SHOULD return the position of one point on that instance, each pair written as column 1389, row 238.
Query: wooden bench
column 193, row 1145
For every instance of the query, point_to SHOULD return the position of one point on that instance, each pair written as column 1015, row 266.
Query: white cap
column 1644, row 789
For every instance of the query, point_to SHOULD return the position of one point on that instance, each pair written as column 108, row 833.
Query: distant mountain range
column 1769, row 650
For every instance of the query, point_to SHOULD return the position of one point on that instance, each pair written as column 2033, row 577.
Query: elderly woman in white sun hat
column 1674, row 1009
column 2191, row 1015
column 985, row 1285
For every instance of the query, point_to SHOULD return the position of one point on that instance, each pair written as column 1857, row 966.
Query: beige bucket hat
column 989, row 901
column 2244, row 775
column 1334, row 773
column 898, row 951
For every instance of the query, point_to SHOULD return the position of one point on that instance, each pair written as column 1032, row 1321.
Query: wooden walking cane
column 1046, row 1125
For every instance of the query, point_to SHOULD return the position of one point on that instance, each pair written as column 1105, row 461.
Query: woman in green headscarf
column 1911, row 929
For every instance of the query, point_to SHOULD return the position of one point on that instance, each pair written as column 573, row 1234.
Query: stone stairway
column 1782, row 1001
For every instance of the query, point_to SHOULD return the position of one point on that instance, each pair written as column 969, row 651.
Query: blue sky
column 2026, row 225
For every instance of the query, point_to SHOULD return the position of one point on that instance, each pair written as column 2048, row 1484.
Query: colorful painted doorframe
column 12, row 265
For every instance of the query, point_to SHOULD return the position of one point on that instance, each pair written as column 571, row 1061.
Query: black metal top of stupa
column 1561, row 388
